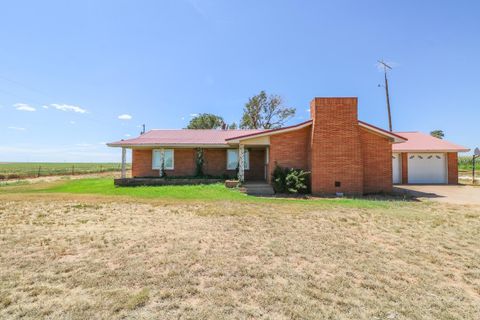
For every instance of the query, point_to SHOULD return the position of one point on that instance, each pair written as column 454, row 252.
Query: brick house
column 342, row 153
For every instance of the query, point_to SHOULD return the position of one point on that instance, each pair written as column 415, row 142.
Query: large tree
column 206, row 121
column 265, row 112
column 437, row 134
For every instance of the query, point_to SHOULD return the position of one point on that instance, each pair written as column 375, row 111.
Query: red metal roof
column 419, row 141
column 397, row 137
column 271, row 131
column 193, row 137
column 182, row 137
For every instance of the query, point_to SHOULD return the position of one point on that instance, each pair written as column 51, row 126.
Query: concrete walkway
column 458, row 194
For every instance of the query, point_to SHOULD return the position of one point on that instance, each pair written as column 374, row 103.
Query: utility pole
column 385, row 67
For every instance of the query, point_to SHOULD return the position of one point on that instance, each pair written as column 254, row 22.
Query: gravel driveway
column 458, row 194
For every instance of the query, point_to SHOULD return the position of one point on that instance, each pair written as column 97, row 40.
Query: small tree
column 206, row 121
column 437, row 134
column 265, row 112
column 163, row 172
column 199, row 163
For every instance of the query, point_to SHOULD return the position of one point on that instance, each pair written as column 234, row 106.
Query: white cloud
column 71, row 122
column 66, row 107
column 16, row 128
column 45, row 107
column 125, row 117
column 83, row 144
column 127, row 135
column 193, row 114
column 24, row 107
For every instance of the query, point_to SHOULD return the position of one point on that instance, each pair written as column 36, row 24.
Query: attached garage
column 424, row 159
column 397, row 168
column 427, row 168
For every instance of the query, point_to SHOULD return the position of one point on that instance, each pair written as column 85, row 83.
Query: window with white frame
column 232, row 159
column 165, row 155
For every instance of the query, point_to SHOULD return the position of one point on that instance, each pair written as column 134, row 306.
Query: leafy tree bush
column 296, row 181
column 206, row 121
column 289, row 180
column 279, row 176
column 437, row 134
column 265, row 112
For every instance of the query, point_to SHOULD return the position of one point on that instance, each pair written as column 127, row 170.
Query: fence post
column 38, row 173
column 73, row 169
column 473, row 171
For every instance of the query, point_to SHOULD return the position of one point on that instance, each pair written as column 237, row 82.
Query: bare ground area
column 85, row 257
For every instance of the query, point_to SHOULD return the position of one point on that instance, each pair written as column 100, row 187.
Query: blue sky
column 69, row 69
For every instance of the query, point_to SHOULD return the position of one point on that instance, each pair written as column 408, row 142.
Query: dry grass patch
column 92, row 259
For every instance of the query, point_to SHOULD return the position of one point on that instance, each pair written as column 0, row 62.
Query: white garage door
column 397, row 168
column 427, row 168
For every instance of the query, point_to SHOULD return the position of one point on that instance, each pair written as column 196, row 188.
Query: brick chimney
column 336, row 157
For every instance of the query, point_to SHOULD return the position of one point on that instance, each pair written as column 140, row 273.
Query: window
column 232, row 159
column 167, row 159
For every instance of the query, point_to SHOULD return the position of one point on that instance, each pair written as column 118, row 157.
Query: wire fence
column 10, row 171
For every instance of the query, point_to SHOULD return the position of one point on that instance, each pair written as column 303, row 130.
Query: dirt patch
column 91, row 258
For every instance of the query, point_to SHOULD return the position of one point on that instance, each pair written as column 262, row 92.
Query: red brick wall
column 335, row 146
column 215, row 163
column 184, row 163
column 404, row 167
column 452, row 158
column 290, row 150
column 142, row 163
column 377, row 162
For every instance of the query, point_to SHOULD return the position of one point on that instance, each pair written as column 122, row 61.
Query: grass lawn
column 82, row 249
column 105, row 186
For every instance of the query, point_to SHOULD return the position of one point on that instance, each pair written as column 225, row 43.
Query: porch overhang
column 166, row 145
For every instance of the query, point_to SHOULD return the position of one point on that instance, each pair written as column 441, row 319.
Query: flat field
column 68, row 254
column 21, row 170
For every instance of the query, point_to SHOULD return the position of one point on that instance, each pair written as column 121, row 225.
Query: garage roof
column 422, row 142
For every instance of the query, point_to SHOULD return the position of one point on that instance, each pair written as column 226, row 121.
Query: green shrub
column 296, row 181
column 289, row 180
column 279, row 176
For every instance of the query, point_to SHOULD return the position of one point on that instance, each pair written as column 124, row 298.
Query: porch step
column 258, row 189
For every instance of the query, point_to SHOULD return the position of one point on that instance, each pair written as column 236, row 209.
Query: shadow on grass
column 396, row 195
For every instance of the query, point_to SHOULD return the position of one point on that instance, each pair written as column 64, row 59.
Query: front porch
column 217, row 164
